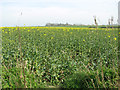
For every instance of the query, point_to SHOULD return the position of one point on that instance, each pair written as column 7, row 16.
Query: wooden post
column 95, row 20
column 112, row 22
column 108, row 23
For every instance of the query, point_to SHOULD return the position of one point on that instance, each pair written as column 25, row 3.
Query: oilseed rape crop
column 69, row 57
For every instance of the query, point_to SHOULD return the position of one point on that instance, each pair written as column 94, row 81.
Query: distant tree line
column 61, row 24
column 58, row 24
column 81, row 25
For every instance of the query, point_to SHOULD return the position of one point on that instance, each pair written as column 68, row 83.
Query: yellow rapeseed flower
column 45, row 34
column 115, row 38
column 83, row 40
column 108, row 36
column 28, row 30
column 51, row 37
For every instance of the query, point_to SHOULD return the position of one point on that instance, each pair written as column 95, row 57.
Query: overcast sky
column 40, row 12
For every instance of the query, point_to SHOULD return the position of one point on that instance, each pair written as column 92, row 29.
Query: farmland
column 67, row 57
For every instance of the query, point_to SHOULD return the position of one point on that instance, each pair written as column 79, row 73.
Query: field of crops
column 40, row 57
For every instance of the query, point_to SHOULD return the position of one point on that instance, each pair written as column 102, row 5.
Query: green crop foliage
column 38, row 57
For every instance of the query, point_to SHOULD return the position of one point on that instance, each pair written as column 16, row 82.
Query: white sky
column 40, row 12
